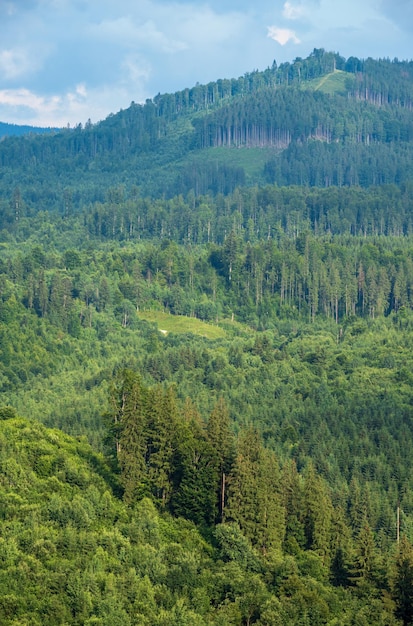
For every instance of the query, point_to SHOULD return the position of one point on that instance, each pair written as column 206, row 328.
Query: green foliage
column 327, row 121
column 403, row 582
column 241, row 354
column 7, row 412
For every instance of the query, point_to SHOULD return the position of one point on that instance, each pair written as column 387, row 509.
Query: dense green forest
column 319, row 121
column 206, row 356
column 7, row 130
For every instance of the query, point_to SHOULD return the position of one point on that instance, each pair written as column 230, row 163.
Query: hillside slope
column 239, row 356
column 320, row 118
column 72, row 553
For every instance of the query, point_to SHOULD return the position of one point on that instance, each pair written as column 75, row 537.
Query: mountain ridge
column 12, row 130
column 360, row 110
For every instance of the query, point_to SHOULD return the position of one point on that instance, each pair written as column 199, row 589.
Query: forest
column 206, row 357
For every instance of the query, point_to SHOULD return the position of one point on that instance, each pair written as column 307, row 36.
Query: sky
column 63, row 62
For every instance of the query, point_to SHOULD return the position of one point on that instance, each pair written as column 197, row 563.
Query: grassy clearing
column 252, row 160
column 180, row 324
column 330, row 84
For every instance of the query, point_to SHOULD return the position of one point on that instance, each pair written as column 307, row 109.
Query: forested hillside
column 11, row 130
column 319, row 121
column 206, row 356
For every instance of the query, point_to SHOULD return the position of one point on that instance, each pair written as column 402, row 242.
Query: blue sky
column 65, row 61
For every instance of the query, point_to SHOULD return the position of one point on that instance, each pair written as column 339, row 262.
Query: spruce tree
column 194, row 494
column 129, row 419
column 222, row 441
column 403, row 582
column 161, row 425
column 254, row 500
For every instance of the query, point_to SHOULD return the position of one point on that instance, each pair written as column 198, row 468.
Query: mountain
column 319, row 121
column 16, row 130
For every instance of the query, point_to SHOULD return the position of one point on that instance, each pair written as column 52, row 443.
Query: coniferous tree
column 317, row 513
column 243, row 484
column 254, row 500
column 366, row 567
column 292, row 499
column 161, row 420
column 403, row 582
column 129, row 420
column 341, row 548
column 271, row 513
column 221, row 440
column 194, row 494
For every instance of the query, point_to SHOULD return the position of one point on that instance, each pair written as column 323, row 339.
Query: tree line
column 359, row 134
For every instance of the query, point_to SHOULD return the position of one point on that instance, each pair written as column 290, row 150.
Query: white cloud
column 135, row 70
column 77, row 105
column 203, row 25
column 33, row 104
column 67, row 60
column 282, row 35
column 81, row 91
column 125, row 32
column 15, row 62
column 293, row 12
column 171, row 27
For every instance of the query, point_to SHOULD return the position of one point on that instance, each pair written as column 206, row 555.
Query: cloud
column 118, row 52
column 124, row 32
column 169, row 27
column 135, row 70
column 27, row 106
column 14, row 63
column 30, row 108
column 291, row 12
column 67, row 60
column 282, row 35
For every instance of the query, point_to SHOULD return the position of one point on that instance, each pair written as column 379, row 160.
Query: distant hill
column 15, row 130
column 321, row 121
